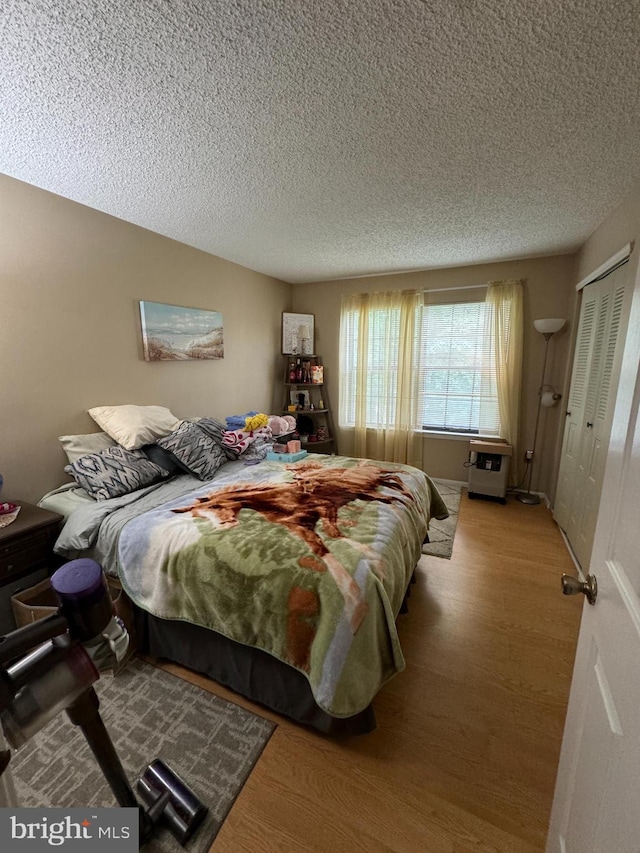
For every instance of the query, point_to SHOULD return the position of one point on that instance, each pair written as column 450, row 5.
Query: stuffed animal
column 279, row 426
column 282, row 426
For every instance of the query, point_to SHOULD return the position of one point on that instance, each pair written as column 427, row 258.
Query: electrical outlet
column 528, row 455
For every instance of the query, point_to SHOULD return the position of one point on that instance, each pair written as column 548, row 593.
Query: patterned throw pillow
column 114, row 472
column 194, row 450
column 216, row 430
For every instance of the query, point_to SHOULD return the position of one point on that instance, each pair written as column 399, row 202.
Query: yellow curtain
column 507, row 333
column 386, row 381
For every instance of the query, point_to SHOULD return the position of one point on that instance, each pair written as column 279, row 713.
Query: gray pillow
column 114, row 472
column 194, row 450
column 76, row 446
column 216, row 429
column 163, row 458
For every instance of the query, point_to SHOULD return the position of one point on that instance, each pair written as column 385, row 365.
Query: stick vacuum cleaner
column 51, row 666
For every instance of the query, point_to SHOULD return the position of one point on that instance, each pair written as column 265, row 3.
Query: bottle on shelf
column 306, row 399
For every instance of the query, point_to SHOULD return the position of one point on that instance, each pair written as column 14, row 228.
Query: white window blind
column 457, row 380
column 457, row 369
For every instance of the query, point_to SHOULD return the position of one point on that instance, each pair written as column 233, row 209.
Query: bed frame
column 252, row 673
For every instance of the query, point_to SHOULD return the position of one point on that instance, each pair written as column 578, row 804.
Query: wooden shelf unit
column 317, row 418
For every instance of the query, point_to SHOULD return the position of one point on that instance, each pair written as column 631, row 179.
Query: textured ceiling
column 314, row 140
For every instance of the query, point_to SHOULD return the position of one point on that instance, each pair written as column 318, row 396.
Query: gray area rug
column 442, row 533
column 211, row 743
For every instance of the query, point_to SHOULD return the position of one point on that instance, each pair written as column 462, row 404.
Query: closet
column 604, row 313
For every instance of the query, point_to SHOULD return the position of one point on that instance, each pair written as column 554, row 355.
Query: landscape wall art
column 172, row 333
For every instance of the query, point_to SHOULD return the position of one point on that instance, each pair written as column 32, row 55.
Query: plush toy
column 282, row 426
column 279, row 426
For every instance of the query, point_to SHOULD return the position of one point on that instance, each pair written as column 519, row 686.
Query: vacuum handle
column 18, row 642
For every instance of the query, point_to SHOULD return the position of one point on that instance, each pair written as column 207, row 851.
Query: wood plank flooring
column 466, row 750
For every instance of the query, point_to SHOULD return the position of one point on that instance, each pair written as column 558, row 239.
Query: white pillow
column 134, row 426
column 76, row 446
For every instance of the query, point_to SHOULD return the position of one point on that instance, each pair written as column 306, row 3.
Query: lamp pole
column 527, row 497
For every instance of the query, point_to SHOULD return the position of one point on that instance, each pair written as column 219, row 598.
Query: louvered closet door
column 594, row 382
column 575, row 528
column 570, row 458
column 600, row 416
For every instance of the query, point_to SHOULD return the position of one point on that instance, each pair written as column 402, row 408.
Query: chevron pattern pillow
column 113, row 472
column 216, row 430
column 194, row 450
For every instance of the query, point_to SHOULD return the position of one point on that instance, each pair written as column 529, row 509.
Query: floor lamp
column 547, row 329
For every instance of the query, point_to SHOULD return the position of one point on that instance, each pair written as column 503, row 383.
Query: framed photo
column 173, row 333
column 292, row 343
column 296, row 395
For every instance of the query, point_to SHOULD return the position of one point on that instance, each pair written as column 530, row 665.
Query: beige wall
column 549, row 292
column 70, row 282
column 622, row 226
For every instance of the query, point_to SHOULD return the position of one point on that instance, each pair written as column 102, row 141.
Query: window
column 458, row 391
column 456, row 368
column 382, row 329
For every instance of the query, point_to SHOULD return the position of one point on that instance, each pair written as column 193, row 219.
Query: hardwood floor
column 465, row 754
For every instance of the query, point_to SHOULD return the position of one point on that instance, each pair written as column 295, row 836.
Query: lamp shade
column 303, row 332
column 548, row 327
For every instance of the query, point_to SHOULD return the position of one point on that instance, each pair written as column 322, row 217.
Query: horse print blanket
column 308, row 561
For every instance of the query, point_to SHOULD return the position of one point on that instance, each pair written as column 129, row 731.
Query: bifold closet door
column 603, row 317
column 571, row 443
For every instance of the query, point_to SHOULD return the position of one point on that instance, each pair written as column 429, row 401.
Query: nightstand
column 26, row 555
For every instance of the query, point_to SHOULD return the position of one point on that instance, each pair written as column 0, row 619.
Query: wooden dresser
column 26, row 554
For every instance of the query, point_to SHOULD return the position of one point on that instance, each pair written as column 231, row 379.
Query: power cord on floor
column 522, row 482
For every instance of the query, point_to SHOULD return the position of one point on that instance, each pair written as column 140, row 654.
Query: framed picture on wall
column 297, row 334
column 174, row 333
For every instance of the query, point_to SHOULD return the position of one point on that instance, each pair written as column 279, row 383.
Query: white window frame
column 457, row 338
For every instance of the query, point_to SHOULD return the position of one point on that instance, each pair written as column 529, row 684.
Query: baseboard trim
column 450, row 482
column 571, row 553
column 542, row 495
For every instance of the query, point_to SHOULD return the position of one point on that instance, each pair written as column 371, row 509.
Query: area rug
column 211, row 743
column 442, row 533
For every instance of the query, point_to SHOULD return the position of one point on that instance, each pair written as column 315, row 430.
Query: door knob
column 573, row 586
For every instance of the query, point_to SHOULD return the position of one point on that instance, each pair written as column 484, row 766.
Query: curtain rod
column 445, row 289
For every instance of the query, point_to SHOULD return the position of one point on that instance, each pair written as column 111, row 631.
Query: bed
column 281, row 581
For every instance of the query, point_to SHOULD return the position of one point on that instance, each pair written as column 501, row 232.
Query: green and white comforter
column 309, row 562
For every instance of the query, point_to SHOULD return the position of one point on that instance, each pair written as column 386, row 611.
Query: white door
column 603, row 321
column 596, row 804
column 572, row 441
column 599, row 409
